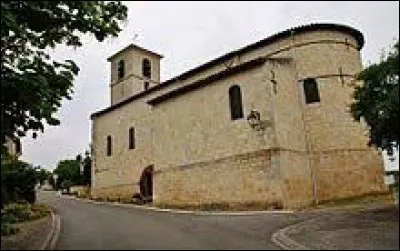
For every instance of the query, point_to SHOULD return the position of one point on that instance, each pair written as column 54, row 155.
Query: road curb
column 282, row 240
column 52, row 237
column 178, row 211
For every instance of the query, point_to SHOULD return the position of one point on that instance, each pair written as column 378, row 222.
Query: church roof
column 358, row 36
column 133, row 46
column 207, row 80
column 271, row 39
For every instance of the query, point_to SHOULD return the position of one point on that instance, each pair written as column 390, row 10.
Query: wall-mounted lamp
column 254, row 119
column 255, row 122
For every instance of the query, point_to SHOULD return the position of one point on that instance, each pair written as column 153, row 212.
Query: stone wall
column 197, row 126
column 201, row 156
column 116, row 191
column 251, row 177
column 348, row 173
column 297, row 178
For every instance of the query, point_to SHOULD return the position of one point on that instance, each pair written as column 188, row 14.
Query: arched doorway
column 146, row 184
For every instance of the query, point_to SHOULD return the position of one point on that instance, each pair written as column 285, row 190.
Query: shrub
column 18, row 180
column 99, row 199
column 131, row 201
column 112, row 199
column 20, row 212
column 126, row 200
column 8, row 229
column 83, row 193
column 30, row 196
column 40, row 208
column 39, row 211
column 82, row 196
column 8, row 218
column 5, row 197
column 14, row 213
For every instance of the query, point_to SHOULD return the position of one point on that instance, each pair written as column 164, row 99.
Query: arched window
column 235, row 102
column 109, row 146
column 146, row 68
column 121, row 69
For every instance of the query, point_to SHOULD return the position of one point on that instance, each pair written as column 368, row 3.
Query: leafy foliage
column 39, row 211
column 14, row 213
column 68, row 173
column 8, row 229
column 42, row 175
column 20, row 212
column 18, row 180
column 52, row 181
column 72, row 172
column 32, row 84
column 87, row 169
column 377, row 101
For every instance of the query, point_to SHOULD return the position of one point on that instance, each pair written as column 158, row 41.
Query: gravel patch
column 354, row 230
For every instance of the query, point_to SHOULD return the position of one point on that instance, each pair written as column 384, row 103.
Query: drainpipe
column 277, row 156
column 306, row 132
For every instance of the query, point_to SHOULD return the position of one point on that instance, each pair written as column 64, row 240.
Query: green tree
column 18, row 181
column 377, row 101
column 32, row 84
column 52, row 181
column 68, row 172
column 87, row 169
column 42, row 175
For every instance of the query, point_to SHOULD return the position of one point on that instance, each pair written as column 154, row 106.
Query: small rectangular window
column 311, row 90
column 109, row 146
column 121, row 69
column 131, row 138
column 146, row 68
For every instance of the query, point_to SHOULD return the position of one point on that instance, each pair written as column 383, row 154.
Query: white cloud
column 188, row 34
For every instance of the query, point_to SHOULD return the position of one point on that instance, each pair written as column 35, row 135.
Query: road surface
column 92, row 226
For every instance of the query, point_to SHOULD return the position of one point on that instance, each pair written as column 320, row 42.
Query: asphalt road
column 91, row 226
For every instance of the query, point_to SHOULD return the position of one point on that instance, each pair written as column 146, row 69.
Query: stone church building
column 266, row 123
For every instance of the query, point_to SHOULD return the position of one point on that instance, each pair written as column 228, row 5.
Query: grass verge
column 15, row 213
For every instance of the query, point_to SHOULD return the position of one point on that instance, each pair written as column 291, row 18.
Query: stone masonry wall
column 251, row 177
column 116, row 191
column 296, row 178
column 201, row 156
column 347, row 173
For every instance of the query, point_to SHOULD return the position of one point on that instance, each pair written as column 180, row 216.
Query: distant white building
column 392, row 173
column 391, row 167
column 14, row 147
